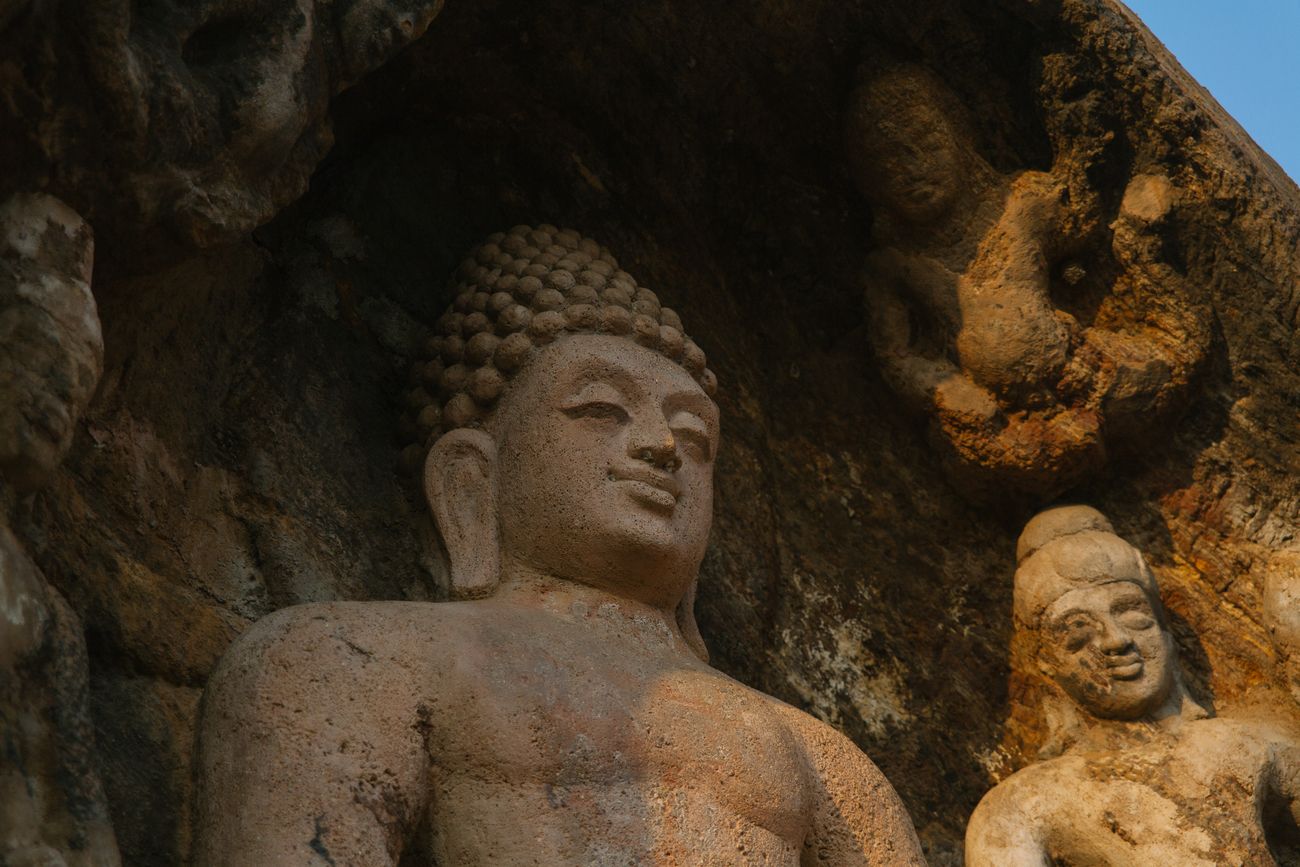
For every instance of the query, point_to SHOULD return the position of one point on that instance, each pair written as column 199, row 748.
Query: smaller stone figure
column 1145, row 777
column 961, row 315
column 52, row 809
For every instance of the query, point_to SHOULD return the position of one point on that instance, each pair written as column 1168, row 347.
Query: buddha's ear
column 686, row 622
column 460, row 482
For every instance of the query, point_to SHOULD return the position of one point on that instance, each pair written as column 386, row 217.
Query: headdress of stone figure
column 514, row 294
column 1088, row 612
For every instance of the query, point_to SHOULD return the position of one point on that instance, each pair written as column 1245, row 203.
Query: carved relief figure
column 563, row 711
column 52, row 809
column 1145, row 776
column 958, row 291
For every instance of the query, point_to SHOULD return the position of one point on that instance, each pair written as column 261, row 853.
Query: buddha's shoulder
column 336, row 640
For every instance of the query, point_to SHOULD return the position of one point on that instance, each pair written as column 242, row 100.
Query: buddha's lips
column 660, row 481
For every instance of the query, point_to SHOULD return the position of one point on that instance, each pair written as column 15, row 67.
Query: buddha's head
column 573, row 430
column 51, row 351
column 1092, row 604
column 903, row 149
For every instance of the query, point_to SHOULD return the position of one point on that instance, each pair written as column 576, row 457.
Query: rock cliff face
column 241, row 452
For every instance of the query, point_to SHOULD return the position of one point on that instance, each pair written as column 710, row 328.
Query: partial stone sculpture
column 1140, row 774
column 1282, row 615
column 959, row 289
column 564, row 712
column 52, row 808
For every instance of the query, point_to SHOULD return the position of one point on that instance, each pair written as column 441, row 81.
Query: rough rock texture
column 173, row 124
column 52, row 805
column 240, row 453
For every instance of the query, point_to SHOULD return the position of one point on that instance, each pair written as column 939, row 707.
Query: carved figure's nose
column 661, row 451
column 1114, row 639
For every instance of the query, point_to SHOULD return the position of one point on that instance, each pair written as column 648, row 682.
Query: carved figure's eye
column 1136, row 619
column 694, row 443
column 1077, row 632
column 692, row 433
column 597, row 409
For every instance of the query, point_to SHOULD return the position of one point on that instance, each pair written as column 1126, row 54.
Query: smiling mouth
column 658, row 490
column 1125, row 668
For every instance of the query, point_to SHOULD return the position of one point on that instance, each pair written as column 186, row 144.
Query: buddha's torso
column 1192, row 800
column 552, row 741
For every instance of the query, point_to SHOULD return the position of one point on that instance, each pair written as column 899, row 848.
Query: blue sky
column 1246, row 53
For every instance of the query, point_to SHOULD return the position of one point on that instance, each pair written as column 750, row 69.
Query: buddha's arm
column 1002, row 831
column 311, row 749
column 857, row 817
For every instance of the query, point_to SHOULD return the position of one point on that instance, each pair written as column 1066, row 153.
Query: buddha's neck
column 597, row 607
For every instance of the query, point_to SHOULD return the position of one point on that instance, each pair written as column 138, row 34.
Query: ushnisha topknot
column 517, row 292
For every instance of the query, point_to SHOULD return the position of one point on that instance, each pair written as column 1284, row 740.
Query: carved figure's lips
column 1126, row 667
column 650, row 486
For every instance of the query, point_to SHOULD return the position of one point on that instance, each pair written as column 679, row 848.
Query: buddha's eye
column 695, row 443
column 691, row 432
column 597, row 409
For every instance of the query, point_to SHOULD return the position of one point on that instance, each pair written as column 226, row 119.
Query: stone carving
column 1282, row 615
column 563, row 713
column 211, row 115
column 52, row 809
column 1140, row 775
column 960, row 299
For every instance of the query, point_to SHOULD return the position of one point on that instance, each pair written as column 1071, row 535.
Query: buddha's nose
column 658, row 451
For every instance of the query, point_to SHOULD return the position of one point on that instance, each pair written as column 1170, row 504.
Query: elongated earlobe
column 460, row 484
column 686, row 622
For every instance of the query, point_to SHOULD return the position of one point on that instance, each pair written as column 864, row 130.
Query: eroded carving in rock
column 52, row 809
column 568, row 716
column 1145, row 776
column 1282, row 615
column 960, row 297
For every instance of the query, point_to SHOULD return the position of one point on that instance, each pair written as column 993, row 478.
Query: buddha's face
column 605, row 467
column 1106, row 647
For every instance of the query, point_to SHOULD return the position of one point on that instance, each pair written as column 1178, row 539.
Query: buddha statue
column 1136, row 773
column 560, row 710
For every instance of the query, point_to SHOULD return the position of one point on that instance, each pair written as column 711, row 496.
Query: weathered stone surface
column 52, row 807
column 970, row 291
column 239, row 455
column 184, row 124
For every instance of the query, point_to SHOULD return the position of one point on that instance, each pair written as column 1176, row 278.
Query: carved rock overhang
column 240, row 454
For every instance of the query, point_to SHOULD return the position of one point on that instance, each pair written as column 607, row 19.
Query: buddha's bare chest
column 564, row 723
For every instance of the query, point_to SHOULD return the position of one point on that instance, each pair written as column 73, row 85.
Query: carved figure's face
column 605, row 467
column 1106, row 647
column 907, row 155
